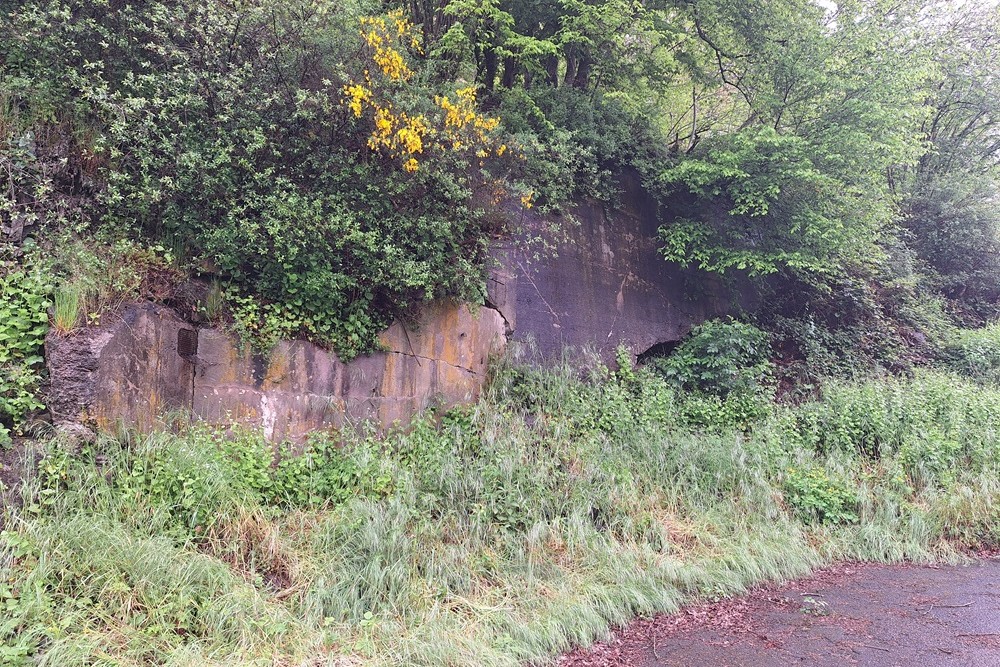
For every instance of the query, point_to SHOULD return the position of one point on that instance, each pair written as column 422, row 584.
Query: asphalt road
column 875, row 616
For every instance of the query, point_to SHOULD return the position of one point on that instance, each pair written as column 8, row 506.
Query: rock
column 128, row 371
column 74, row 436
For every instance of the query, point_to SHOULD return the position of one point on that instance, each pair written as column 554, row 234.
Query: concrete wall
column 152, row 362
column 608, row 285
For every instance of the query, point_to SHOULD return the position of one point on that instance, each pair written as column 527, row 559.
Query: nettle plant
column 24, row 321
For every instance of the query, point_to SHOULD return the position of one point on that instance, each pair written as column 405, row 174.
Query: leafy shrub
column 927, row 424
column 816, row 497
column 954, row 229
column 721, row 358
column 723, row 372
column 576, row 143
column 24, row 303
column 309, row 168
column 975, row 353
column 757, row 201
column 737, row 410
column 851, row 323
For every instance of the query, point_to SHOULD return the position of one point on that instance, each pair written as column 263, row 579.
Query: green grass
column 556, row 507
column 67, row 311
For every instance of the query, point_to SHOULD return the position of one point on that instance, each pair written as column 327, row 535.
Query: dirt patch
column 879, row 616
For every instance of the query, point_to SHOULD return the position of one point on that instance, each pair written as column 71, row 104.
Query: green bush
column 24, row 302
column 721, row 358
column 724, row 373
column 975, row 353
column 577, row 143
column 225, row 134
column 817, row 497
column 927, row 424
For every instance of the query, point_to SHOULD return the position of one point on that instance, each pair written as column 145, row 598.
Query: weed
column 814, row 495
column 24, row 303
column 215, row 302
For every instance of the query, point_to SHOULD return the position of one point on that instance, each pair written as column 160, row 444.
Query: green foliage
column 266, row 173
column 723, row 373
column 853, row 323
column 932, row 422
column 96, row 278
column 757, row 202
column 720, row 357
column 975, row 353
column 796, row 179
column 200, row 477
column 576, row 144
column 24, row 302
column 814, row 496
column 953, row 228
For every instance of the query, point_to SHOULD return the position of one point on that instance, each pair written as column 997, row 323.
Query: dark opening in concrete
column 187, row 343
column 664, row 349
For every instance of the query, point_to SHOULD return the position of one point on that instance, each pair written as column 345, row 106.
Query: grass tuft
column 67, row 311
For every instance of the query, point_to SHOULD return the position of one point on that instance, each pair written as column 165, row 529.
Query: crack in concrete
column 433, row 360
column 489, row 305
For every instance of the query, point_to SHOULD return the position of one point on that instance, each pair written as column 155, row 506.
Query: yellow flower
column 411, row 137
column 526, row 200
column 411, row 165
column 383, row 123
column 356, row 95
column 378, row 35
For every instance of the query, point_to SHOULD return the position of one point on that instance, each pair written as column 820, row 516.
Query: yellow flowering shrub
column 450, row 123
column 383, row 35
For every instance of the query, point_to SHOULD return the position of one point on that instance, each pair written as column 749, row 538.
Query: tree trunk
column 570, row 77
column 490, row 70
column 510, row 70
column 552, row 70
column 582, row 79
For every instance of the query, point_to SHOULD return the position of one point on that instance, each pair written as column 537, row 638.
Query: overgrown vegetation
column 291, row 146
column 24, row 302
column 558, row 505
column 333, row 165
column 320, row 167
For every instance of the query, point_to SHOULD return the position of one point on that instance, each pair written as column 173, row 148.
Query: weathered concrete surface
column 128, row 373
column 608, row 284
column 441, row 359
column 151, row 362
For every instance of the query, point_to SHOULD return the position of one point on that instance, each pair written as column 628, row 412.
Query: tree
column 811, row 111
column 950, row 196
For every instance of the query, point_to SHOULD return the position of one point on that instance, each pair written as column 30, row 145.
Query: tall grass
column 68, row 307
column 563, row 503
